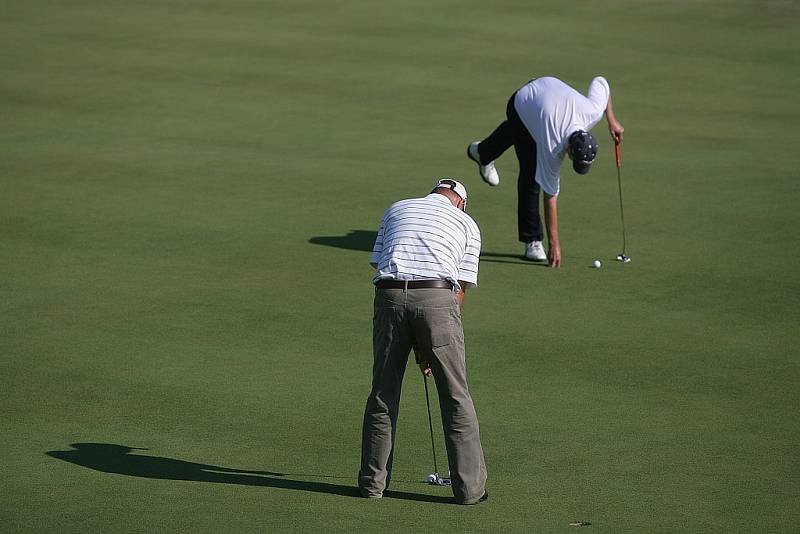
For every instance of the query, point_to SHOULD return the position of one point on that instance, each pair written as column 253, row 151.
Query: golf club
column 434, row 477
column 621, row 256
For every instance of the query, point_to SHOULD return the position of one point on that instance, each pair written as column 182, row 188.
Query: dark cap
column 582, row 147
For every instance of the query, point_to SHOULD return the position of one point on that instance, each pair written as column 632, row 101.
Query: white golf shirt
column 551, row 110
column 427, row 238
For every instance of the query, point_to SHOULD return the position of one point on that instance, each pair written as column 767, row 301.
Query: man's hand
column 460, row 293
column 554, row 255
column 422, row 361
column 616, row 130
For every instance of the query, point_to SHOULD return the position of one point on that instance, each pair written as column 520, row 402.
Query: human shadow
column 361, row 240
column 364, row 240
column 120, row 459
column 515, row 259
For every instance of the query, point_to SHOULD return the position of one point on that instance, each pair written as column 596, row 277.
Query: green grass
column 174, row 180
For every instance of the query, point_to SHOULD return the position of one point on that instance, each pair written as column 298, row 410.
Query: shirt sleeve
column 548, row 170
column 377, row 248
column 468, row 270
column 598, row 93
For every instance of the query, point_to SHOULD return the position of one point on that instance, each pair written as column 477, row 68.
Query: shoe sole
column 470, row 155
column 487, row 182
column 484, row 498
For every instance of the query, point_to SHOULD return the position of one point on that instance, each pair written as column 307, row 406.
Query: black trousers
column 513, row 132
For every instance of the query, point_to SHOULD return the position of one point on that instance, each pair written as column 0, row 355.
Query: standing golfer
column 546, row 119
column 426, row 256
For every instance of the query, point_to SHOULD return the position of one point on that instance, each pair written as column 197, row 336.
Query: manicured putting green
column 188, row 193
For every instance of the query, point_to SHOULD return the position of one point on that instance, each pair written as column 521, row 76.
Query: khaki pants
column 430, row 320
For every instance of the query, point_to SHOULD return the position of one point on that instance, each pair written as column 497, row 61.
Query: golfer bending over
column 426, row 255
column 546, row 119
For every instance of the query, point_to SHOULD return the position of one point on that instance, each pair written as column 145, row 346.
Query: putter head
column 623, row 258
column 434, row 479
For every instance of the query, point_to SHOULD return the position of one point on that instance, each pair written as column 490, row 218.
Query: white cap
column 454, row 185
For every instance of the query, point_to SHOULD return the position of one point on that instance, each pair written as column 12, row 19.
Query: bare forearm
column 615, row 128
column 551, row 217
column 551, row 222
column 610, row 117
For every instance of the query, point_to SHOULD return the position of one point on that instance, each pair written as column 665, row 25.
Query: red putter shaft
column 621, row 257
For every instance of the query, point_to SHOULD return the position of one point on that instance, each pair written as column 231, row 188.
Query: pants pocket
column 441, row 325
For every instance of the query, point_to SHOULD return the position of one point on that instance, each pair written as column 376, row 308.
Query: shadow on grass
column 118, row 459
column 362, row 240
column 516, row 259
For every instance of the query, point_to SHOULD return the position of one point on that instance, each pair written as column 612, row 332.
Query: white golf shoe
column 534, row 251
column 488, row 172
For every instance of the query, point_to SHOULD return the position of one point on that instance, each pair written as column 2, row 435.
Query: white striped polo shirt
column 427, row 238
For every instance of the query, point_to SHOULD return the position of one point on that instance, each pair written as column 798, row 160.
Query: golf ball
column 431, row 479
column 596, row 264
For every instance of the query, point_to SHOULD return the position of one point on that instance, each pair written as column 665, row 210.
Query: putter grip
column 616, row 152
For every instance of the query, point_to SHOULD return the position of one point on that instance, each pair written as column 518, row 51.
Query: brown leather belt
column 413, row 284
